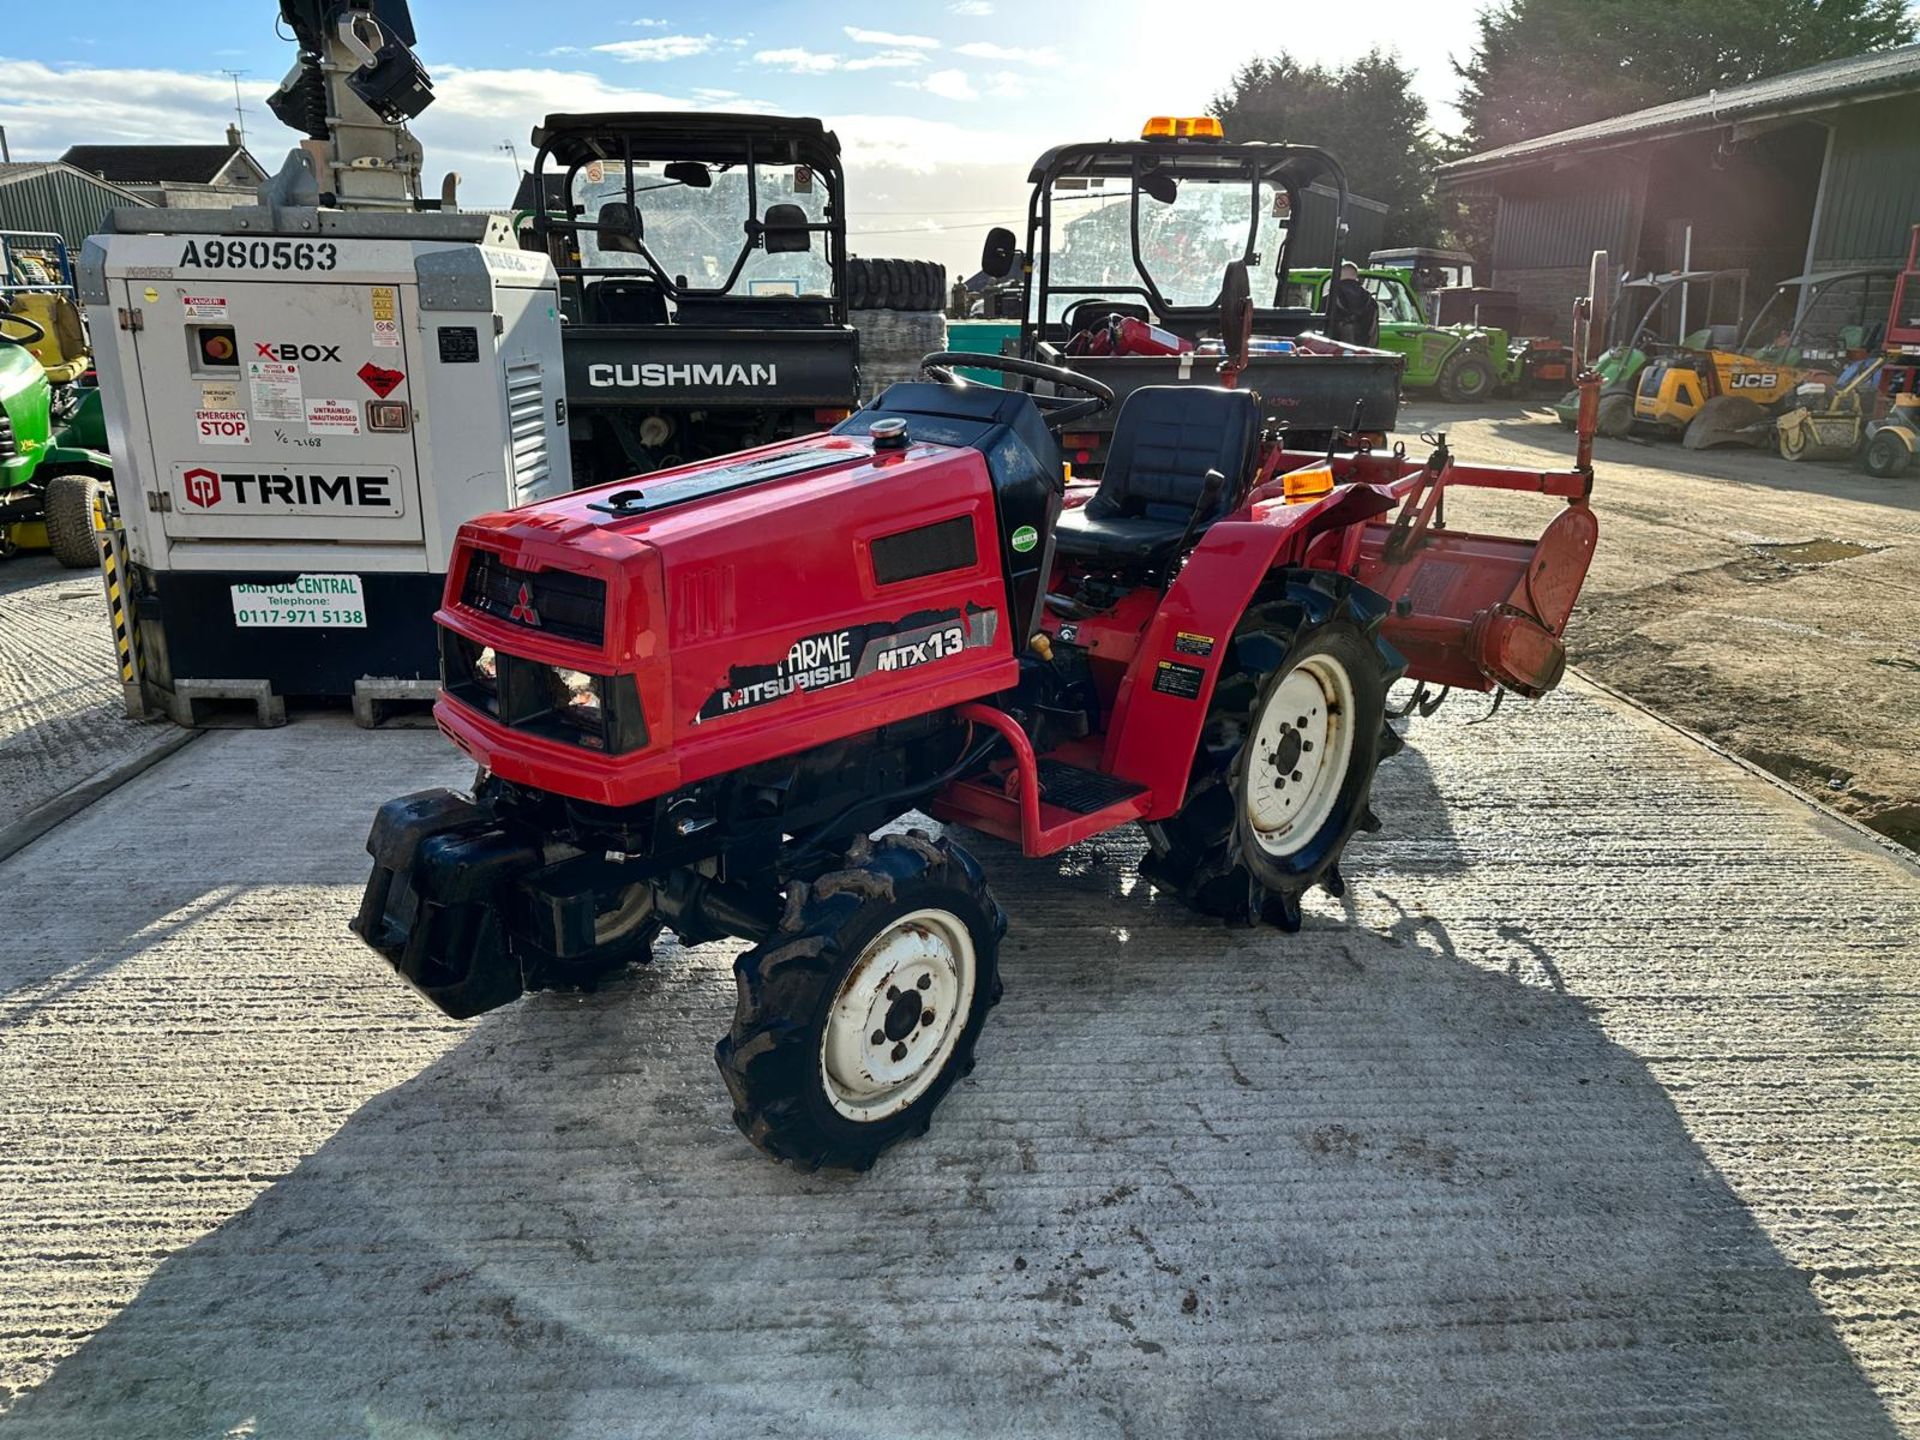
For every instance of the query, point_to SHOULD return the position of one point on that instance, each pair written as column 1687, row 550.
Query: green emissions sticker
column 1024, row 539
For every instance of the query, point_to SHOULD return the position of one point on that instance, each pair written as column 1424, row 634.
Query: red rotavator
column 696, row 696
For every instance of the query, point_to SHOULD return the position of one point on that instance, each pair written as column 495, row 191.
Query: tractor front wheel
column 1888, row 454
column 1614, row 418
column 1466, row 377
column 69, row 516
column 1287, row 756
column 858, row 1014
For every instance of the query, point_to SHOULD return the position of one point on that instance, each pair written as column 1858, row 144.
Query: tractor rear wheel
column 858, row 1014
column 1888, row 455
column 1466, row 377
column 1284, row 772
column 69, row 516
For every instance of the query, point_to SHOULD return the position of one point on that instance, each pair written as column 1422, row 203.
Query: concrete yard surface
column 1590, row 1112
column 62, row 717
column 1769, row 605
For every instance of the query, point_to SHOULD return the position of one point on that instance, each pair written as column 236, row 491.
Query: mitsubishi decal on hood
column 837, row 657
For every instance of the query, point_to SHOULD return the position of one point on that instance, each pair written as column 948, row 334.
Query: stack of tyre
column 898, row 309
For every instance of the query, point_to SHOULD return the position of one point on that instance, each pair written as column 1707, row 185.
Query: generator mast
column 356, row 84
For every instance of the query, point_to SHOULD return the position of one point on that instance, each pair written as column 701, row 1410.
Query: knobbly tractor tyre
column 1284, row 771
column 1614, row 419
column 1887, row 456
column 857, row 1015
column 69, row 517
column 1466, row 377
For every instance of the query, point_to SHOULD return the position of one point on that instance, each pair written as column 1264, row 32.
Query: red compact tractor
column 696, row 696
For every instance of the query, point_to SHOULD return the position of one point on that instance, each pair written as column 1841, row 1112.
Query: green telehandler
column 1463, row 363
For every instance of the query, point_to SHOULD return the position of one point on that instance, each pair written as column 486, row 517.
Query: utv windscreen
column 699, row 235
column 1200, row 219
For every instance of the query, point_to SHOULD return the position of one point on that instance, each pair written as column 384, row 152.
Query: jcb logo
column 1755, row 380
column 311, row 354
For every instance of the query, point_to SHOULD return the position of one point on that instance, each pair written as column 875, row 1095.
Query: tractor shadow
column 1387, row 1176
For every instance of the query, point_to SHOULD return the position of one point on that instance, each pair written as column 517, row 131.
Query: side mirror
column 996, row 256
column 617, row 228
column 786, row 230
column 1159, row 185
column 690, row 173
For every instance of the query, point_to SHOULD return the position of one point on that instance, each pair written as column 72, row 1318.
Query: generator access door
column 279, row 409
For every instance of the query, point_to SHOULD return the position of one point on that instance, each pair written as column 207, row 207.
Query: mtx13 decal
column 837, row 657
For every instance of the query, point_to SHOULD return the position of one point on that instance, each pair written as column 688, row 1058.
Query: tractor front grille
column 569, row 607
column 9, row 446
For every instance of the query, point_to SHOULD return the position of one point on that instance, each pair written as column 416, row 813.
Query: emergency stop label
column 838, row 657
column 371, row 492
column 222, row 427
column 304, row 602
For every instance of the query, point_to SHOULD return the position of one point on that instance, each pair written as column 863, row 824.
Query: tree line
column 1537, row 66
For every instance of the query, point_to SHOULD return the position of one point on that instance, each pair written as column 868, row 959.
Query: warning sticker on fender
column 1188, row 643
column 1170, row 677
column 838, row 657
column 304, row 602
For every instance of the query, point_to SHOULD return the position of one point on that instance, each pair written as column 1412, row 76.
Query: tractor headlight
column 579, row 700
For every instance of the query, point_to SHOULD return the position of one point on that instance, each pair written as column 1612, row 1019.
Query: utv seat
column 1166, row 440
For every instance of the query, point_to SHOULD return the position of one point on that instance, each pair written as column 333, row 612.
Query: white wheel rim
column 882, row 1047
column 1302, row 747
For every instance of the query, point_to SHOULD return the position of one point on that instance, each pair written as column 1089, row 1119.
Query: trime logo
column 202, row 487
column 523, row 610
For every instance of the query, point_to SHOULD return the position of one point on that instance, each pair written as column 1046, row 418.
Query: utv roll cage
column 1291, row 167
column 568, row 144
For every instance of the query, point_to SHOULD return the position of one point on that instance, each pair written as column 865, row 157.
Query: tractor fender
column 1162, row 701
column 75, row 457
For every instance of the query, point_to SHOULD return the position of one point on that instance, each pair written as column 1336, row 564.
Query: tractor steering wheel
column 1056, row 411
column 7, row 317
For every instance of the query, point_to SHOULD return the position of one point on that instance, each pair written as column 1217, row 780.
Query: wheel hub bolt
column 879, row 1037
column 900, row 1051
column 926, row 1017
column 925, row 982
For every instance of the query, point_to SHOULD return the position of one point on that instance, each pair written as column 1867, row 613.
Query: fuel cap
column 889, row 434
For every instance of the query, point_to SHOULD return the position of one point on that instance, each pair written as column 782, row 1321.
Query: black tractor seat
column 1165, row 441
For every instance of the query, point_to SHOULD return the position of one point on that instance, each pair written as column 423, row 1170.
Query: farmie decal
column 838, row 657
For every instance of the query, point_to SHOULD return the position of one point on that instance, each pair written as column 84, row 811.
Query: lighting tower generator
column 306, row 396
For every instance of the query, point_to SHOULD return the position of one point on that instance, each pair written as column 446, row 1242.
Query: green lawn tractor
column 1463, row 363
column 53, row 452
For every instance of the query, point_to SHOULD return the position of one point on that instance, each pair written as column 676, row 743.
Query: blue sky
column 940, row 104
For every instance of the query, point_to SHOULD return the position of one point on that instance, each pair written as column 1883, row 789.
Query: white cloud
column 1007, row 85
column 971, row 7
column 887, row 38
column 649, row 24
column 987, row 50
column 657, row 47
column 949, row 85
column 701, row 92
column 887, row 60
column 798, row 61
